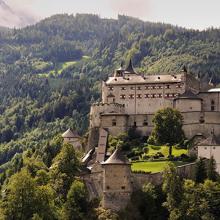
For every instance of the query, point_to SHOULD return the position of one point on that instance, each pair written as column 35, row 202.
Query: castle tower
column 116, row 181
column 73, row 138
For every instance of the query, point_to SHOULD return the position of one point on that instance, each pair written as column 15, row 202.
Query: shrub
column 135, row 158
column 145, row 157
column 159, row 154
column 155, row 147
column 145, row 150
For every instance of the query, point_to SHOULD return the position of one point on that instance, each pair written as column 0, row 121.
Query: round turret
column 73, row 138
column 116, row 182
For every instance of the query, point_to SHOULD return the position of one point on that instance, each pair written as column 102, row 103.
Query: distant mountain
column 10, row 17
column 50, row 72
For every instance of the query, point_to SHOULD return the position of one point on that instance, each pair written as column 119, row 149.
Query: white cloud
column 15, row 16
column 136, row 8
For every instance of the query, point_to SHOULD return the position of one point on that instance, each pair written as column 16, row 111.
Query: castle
column 130, row 100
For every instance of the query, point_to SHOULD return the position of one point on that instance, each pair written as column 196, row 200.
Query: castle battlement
column 108, row 104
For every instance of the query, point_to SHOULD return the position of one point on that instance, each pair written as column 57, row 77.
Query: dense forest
column 50, row 73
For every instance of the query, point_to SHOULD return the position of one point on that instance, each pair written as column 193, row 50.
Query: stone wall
column 188, row 105
column 93, row 138
column 139, row 179
column 100, row 108
column 110, row 189
column 194, row 122
column 207, row 98
column 209, row 151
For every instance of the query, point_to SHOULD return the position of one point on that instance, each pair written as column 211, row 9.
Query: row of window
column 146, row 87
column 139, row 96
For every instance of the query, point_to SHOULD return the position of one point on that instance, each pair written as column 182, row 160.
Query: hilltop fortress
column 130, row 100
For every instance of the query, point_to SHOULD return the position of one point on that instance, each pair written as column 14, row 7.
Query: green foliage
column 24, row 198
column 200, row 171
column 146, row 204
column 211, row 170
column 173, row 187
column 167, row 127
column 77, row 205
column 64, row 169
column 50, row 74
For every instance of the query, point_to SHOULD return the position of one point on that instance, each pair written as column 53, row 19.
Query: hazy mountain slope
column 13, row 18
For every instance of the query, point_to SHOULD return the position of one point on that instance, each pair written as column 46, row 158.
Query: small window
column 146, row 96
column 131, row 96
column 122, row 96
column 135, row 124
column 138, row 88
column 110, row 88
column 113, row 122
column 213, row 148
column 107, row 187
column 205, row 148
column 123, row 88
column 212, row 105
column 145, row 123
column 123, row 187
column 132, row 88
column 167, row 87
column 139, row 96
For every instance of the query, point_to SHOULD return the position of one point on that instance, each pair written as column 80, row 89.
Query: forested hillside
column 50, row 73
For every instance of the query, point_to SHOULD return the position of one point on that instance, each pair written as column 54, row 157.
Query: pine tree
column 200, row 171
column 211, row 170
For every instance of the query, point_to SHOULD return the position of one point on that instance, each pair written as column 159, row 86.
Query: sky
column 197, row 14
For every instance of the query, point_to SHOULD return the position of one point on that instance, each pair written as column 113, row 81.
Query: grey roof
column 212, row 140
column 130, row 69
column 117, row 158
column 188, row 95
column 147, row 79
column 70, row 134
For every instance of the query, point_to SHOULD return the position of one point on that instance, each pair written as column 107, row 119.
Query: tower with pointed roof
column 73, row 138
column 210, row 147
column 116, row 181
